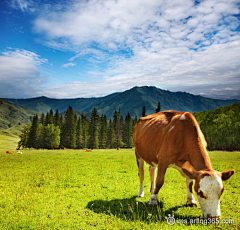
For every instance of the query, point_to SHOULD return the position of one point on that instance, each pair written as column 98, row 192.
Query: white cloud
column 24, row 5
column 19, row 74
column 68, row 65
column 163, row 43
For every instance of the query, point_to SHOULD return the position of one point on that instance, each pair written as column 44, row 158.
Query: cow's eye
column 201, row 194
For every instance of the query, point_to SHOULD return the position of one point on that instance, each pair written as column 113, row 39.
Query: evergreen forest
column 53, row 131
column 221, row 128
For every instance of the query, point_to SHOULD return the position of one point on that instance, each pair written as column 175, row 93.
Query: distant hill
column 131, row 101
column 14, row 117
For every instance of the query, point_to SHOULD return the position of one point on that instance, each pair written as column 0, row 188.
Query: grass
column 74, row 189
column 8, row 141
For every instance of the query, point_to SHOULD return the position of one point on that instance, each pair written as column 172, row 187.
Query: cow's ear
column 227, row 174
column 190, row 171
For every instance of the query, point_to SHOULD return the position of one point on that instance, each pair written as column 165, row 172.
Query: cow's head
column 208, row 187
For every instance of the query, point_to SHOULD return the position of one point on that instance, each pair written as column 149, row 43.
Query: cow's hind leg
column 190, row 198
column 159, row 183
column 140, row 163
column 152, row 177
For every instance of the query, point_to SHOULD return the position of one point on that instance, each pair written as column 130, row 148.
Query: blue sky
column 91, row 48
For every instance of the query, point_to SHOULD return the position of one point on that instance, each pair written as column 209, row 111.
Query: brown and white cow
column 174, row 139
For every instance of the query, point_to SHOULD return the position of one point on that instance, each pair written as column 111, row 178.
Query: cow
column 88, row 150
column 174, row 139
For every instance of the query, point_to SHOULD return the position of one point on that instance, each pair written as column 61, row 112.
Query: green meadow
column 75, row 189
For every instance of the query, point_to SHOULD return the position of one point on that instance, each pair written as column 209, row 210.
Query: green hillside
column 131, row 101
column 221, row 127
column 13, row 117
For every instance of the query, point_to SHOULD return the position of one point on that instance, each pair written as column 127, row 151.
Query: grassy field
column 74, row 189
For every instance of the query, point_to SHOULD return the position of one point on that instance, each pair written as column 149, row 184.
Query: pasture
column 75, row 189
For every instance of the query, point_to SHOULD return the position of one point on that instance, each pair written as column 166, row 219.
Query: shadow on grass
column 130, row 209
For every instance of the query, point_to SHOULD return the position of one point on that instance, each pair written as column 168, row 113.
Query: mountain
column 14, row 117
column 131, row 101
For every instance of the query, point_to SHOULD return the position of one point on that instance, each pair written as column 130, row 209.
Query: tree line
column 53, row 131
column 221, row 127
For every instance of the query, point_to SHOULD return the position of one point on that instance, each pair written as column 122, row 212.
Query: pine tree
column 85, row 126
column 52, row 136
column 103, row 132
column 158, row 107
column 33, row 135
column 24, row 136
column 68, row 137
column 42, row 119
column 110, row 135
column 128, row 131
column 57, row 119
column 41, row 136
column 79, row 134
column 134, row 122
column 118, row 124
column 93, row 130
column 49, row 118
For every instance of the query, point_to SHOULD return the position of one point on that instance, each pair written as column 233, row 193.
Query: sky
column 91, row 48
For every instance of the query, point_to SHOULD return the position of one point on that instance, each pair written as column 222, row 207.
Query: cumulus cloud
column 169, row 44
column 19, row 74
column 68, row 65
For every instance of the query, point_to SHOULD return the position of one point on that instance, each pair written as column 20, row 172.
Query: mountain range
column 131, row 101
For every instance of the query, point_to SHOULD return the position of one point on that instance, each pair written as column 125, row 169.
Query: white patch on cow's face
column 182, row 118
column 171, row 129
column 210, row 188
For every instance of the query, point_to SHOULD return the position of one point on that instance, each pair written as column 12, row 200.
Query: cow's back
column 153, row 132
column 170, row 137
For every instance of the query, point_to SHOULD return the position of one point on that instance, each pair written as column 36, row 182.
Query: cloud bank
column 191, row 46
column 19, row 74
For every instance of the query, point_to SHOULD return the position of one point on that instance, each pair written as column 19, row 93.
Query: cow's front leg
column 152, row 177
column 190, row 198
column 159, row 184
column 141, row 176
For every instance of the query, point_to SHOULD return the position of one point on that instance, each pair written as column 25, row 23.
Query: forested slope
column 221, row 127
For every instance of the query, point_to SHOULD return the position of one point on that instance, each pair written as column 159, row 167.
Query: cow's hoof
column 141, row 194
column 153, row 200
column 192, row 204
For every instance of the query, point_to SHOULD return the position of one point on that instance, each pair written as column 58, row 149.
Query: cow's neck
column 200, row 160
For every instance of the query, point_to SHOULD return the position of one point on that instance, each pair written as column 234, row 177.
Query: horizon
column 86, row 49
column 111, row 94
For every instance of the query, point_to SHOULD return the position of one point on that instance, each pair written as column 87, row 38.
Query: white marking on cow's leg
column 141, row 176
column 182, row 118
column 152, row 177
column 190, row 197
column 153, row 200
column 171, row 129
